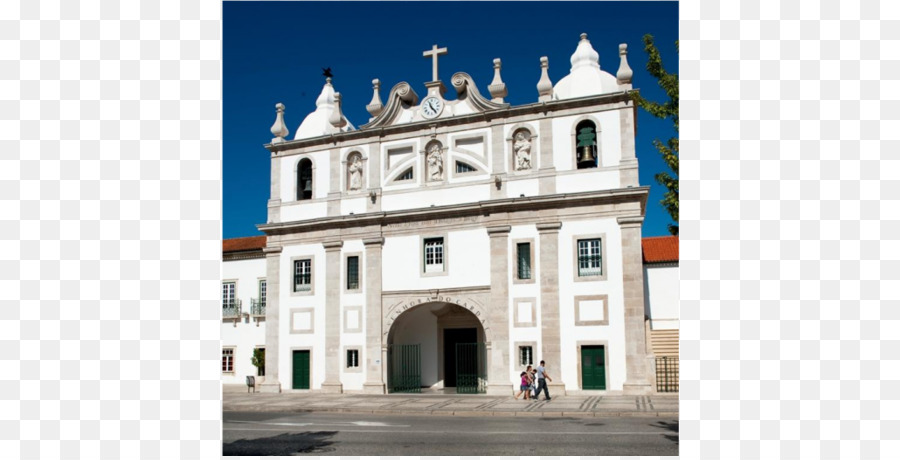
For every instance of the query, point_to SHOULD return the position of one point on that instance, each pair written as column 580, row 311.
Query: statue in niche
column 356, row 170
column 435, row 162
column 522, row 149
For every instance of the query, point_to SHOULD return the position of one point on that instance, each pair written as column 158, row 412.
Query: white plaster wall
column 354, row 205
column 468, row 258
column 353, row 380
column 570, row 334
column 438, row 197
column 515, row 188
column 661, row 296
column 245, row 335
column 306, row 210
column 609, row 142
column 321, row 175
column 587, row 179
column 316, row 340
column 532, row 290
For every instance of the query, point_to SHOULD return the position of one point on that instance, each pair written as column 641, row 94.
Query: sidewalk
column 236, row 398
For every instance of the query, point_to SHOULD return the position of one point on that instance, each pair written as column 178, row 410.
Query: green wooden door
column 593, row 368
column 301, row 370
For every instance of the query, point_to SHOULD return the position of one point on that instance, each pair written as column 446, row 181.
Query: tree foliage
column 665, row 110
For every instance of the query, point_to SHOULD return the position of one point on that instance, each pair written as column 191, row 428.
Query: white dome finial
column 326, row 97
column 585, row 55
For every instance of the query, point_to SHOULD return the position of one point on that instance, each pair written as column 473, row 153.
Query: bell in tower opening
column 586, row 147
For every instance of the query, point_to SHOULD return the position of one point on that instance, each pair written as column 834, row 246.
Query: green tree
column 259, row 360
column 668, row 109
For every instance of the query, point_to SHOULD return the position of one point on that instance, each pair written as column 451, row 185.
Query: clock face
column 432, row 107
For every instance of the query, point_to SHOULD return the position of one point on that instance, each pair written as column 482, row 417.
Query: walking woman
column 525, row 384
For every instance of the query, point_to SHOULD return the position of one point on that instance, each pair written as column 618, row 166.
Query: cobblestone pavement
column 236, row 398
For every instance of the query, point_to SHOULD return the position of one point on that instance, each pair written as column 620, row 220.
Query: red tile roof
column 249, row 243
column 660, row 249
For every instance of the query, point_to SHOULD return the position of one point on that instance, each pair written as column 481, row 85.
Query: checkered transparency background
column 110, row 209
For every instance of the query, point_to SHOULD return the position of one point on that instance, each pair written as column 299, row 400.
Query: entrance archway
column 439, row 346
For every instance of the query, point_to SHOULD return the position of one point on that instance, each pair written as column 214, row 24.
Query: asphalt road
column 257, row 433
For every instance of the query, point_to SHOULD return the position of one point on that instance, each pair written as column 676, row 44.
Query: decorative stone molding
column 630, row 221
column 501, row 230
column 497, row 88
column 548, row 227
column 545, row 86
column 401, row 96
column 279, row 129
column 333, row 245
column 466, row 90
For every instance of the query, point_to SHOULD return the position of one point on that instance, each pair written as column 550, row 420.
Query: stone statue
column 435, row 162
column 356, row 170
column 522, row 147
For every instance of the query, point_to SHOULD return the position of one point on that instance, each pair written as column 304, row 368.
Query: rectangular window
column 434, row 255
column 589, row 257
column 353, row 272
column 525, row 356
column 230, row 308
column 303, row 275
column 352, row 358
column 228, row 360
column 523, row 254
column 262, row 293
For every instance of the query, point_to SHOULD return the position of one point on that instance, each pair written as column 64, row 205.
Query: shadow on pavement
column 310, row 442
column 671, row 426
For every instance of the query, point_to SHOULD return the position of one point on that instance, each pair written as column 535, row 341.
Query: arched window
column 586, row 145
column 304, row 180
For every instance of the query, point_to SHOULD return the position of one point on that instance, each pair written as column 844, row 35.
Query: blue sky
column 275, row 51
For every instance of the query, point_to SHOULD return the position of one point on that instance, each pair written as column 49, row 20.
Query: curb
column 458, row 413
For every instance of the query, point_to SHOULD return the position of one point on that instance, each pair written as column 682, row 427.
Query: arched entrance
column 439, row 346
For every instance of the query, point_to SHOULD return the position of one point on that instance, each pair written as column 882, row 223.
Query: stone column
column 547, row 171
column 498, row 161
column 636, row 376
column 550, row 327
column 374, row 382
column 499, row 381
column 332, row 383
column 271, row 384
column 628, row 163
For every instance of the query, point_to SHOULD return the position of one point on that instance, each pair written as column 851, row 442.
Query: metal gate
column 405, row 369
column 471, row 368
column 667, row 374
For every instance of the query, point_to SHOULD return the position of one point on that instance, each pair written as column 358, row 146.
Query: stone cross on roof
column 434, row 53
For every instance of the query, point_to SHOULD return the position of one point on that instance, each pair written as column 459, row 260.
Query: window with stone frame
column 523, row 261
column 302, row 275
column 352, row 359
column 227, row 360
column 352, row 273
column 434, row 255
column 526, row 356
column 589, row 257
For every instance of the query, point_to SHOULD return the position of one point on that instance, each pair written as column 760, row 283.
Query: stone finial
column 337, row 118
column 279, row 130
column 545, row 86
column 375, row 107
column 497, row 88
column 624, row 74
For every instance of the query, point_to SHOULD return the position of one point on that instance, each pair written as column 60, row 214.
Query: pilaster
column 636, row 375
column 498, row 374
column 332, row 383
column 498, row 161
column 373, row 170
column 628, row 163
column 271, row 384
column 334, row 182
column 546, row 182
column 550, row 324
column 374, row 362
column 274, row 205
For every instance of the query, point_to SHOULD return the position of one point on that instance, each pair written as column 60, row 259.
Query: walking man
column 542, row 378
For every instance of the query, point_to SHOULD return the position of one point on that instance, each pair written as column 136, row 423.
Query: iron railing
column 303, row 282
column 667, row 374
column 231, row 308
column 257, row 308
column 589, row 266
column 471, row 368
column 405, row 371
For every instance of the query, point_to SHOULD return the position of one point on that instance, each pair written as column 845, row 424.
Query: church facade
column 449, row 242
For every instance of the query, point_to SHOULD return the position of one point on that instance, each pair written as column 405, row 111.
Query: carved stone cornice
column 269, row 250
column 502, row 230
column 334, row 245
column 480, row 208
column 373, row 241
column 548, row 227
column 630, row 221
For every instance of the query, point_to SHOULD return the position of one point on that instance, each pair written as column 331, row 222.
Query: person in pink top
column 525, row 384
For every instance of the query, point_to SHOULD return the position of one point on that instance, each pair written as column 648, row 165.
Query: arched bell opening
column 586, row 145
column 304, row 180
column 437, row 346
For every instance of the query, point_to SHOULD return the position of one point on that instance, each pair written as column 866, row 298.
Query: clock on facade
column 432, row 107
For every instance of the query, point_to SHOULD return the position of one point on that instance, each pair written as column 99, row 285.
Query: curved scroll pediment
column 402, row 96
column 466, row 90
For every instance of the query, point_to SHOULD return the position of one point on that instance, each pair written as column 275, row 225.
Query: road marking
column 579, row 433
column 317, row 423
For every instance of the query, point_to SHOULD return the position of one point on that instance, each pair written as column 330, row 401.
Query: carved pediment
column 466, row 90
column 401, row 97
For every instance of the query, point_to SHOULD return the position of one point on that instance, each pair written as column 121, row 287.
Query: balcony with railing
column 257, row 307
column 231, row 309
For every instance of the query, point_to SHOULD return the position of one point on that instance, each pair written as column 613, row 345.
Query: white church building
column 448, row 242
